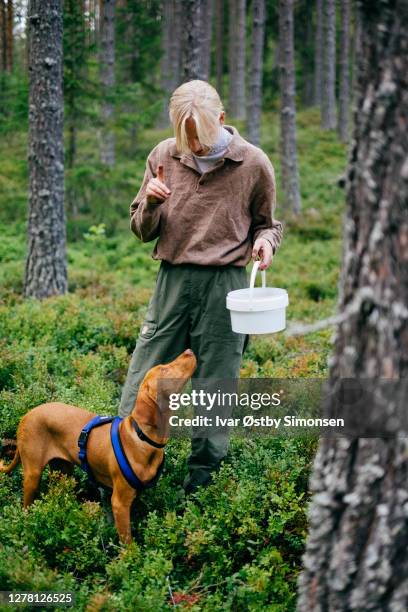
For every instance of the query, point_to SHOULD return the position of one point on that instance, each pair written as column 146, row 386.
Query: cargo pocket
column 147, row 330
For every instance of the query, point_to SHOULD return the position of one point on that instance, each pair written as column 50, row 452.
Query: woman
column 208, row 195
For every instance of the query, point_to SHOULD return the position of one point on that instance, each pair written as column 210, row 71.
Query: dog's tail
column 6, row 469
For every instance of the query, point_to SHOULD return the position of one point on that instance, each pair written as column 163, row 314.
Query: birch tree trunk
column 46, row 266
column 357, row 550
column 318, row 68
column 219, row 52
column 107, row 76
column 290, row 175
column 255, row 75
column 329, row 67
column 344, row 96
column 192, row 39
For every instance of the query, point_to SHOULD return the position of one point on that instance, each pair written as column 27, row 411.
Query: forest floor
column 236, row 545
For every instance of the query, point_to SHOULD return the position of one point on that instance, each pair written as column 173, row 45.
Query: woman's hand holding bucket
column 263, row 249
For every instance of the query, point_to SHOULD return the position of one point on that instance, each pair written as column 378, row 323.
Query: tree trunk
column 166, row 60
column 9, row 36
column 206, row 37
column 232, row 57
column 219, row 53
column 3, row 36
column 344, row 96
column 240, row 61
column 107, row 75
column 175, row 45
column 307, row 59
column 318, row 62
column 255, row 75
column 357, row 550
column 329, row 67
column 356, row 47
column 192, row 40
column 290, row 175
column 46, row 266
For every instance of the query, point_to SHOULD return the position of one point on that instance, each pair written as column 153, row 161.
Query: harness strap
column 143, row 436
column 120, row 455
column 123, row 462
column 83, row 441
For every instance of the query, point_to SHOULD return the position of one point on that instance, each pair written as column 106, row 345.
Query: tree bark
column 290, row 175
column 344, row 95
column 356, row 47
column 192, row 33
column 232, row 57
column 357, row 549
column 318, row 54
column 107, row 75
column 175, row 45
column 219, row 53
column 255, row 75
column 240, row 109
column 166, row 60
column 3, row 36
column 307, row 59
column 9, row 36
column 206, row 37
column 328, row 119
column 46, row 266
column 237, row 52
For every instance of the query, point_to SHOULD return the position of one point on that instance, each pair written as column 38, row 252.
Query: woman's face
column 195, row 145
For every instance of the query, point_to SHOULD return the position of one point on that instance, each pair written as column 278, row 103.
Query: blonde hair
column 199, row 100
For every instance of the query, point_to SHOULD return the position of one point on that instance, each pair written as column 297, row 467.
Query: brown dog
column 49, row 434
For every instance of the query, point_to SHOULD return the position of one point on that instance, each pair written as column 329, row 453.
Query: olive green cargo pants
column 188, row 310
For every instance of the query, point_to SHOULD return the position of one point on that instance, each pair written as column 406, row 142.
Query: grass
column 238, row 544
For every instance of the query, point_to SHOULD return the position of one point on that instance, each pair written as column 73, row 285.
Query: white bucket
column 258, row 310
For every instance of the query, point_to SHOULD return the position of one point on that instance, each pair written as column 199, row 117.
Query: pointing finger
column 160, row 173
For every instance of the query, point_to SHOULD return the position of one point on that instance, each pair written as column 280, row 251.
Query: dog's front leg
column 121, row 503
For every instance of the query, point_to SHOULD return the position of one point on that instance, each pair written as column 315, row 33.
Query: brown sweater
column 211, row 218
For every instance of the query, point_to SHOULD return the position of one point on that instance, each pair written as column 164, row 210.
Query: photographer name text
column 251, row 421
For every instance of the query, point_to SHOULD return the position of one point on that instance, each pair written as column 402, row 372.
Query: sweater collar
column 234, row 151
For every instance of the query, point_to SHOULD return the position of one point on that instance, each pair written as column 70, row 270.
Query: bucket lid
column 263, row 298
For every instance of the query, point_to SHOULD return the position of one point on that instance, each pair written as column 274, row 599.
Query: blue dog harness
column 120, row 455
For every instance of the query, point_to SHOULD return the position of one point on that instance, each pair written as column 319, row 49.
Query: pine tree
column 328, row 104
column 356, row 554
column 290, row 174
column 255, row 73
column 46, row 266
column 344, row 96
column 107, row 75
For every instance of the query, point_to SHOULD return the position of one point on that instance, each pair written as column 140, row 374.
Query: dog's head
column 169, row 378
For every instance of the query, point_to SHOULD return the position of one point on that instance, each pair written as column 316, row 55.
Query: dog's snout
column 188, row 352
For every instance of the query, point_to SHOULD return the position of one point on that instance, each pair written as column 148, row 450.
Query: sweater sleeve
column 263, row 205
column 145, row 216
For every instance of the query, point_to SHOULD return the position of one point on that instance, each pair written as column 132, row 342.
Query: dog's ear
column 144, row 402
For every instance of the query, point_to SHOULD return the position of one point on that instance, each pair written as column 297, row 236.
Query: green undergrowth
column 236, row 545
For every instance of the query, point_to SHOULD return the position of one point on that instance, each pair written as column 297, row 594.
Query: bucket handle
column 253, row 276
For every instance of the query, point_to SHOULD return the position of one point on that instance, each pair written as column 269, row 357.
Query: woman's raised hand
column 156, row 189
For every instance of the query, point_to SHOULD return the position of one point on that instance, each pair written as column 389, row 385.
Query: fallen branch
column 397, row 310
